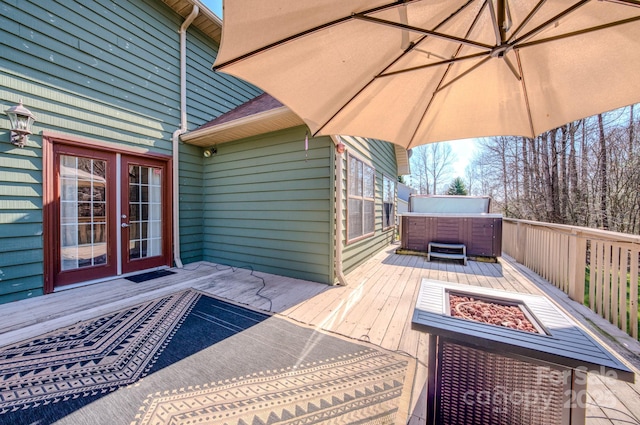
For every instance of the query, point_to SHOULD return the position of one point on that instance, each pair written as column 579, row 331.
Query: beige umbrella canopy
column 415, row 72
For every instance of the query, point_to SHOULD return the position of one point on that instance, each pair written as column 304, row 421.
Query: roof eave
column 402, row 160
column 206, row 21
column 253, row 125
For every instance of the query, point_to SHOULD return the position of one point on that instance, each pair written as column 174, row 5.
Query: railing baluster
column 559, row 253
column 633, row 292
column 600, row 282
column 606, row 295
column 593, row 275
column 622, row 299
column 615, row 283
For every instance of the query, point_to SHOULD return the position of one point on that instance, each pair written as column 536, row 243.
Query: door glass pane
column 145, row 212
column 83, row 212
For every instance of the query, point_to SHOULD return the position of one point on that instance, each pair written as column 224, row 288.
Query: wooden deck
column 375, row 307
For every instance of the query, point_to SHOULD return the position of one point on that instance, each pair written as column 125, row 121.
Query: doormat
column 143, row 277
column 189, row 358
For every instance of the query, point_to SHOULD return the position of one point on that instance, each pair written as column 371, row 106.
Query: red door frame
column 129, row 265
column 55, row 144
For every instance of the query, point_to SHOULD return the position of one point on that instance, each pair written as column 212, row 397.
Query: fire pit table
column 498, row 357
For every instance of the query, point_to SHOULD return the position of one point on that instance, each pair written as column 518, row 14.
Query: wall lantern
column 340, row 147
column 21, row 119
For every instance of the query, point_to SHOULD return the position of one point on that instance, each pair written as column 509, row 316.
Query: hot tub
column 452, row 220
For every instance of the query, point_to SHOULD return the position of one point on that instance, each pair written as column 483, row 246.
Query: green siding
column 381, row 155
column 190, row 177
column 107, row 70
column 269, row 207
column 209, row 95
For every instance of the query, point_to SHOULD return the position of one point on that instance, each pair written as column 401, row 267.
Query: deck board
column 376, row 306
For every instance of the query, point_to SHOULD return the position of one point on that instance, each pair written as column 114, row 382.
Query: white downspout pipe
column 338, row 239
column 175, row 139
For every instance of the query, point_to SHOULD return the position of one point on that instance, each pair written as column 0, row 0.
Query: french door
column 109, row 214
column 145, row 214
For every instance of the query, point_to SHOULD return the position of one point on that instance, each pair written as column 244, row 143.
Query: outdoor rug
column 188, row 358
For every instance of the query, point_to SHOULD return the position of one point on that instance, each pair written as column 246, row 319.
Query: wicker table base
column 472, row 385
column 481, row 373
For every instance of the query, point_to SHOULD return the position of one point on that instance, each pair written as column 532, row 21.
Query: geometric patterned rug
column 188, row 358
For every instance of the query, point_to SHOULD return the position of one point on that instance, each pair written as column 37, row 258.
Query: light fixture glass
column 209, row 152
column 21, row 120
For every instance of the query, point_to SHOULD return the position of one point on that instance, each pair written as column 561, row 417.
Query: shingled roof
column 262, row 114
column 264, row 102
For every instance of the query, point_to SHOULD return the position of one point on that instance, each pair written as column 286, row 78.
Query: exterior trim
column 395, row 201
column 402, row 160
column 52, row 137
column 368, row 163
column 49, row 141
column 252, row 125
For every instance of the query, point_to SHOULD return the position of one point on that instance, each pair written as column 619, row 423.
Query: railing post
column 521, row 242
column 577, row 265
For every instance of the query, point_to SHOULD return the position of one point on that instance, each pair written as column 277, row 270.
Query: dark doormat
column 149, row 276
column 192, row 359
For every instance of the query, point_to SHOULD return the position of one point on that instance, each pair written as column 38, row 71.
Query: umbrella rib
column 411, row 47
column 307, row 32
column 526, row 20
column 551, row 21
column 446, row 72
column 577, row 33
column 431, row 65
column 464, row 74
column 512, row 68
column 407, row 50
column 433, row 34
column 526, row 95
column 634, row 3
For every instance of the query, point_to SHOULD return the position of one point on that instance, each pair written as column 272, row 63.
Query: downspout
column 175, row 139
column 338, row 239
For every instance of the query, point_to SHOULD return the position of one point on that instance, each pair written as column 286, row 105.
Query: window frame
column 365, row 200
column 394, row 202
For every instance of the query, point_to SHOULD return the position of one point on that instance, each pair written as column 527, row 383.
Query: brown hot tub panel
column 481, row 233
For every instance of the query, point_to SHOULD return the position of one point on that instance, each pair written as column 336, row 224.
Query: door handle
column 124, row 225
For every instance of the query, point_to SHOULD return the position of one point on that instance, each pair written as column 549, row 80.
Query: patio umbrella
column 421, row 71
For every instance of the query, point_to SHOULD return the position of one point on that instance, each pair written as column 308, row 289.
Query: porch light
column 21, row 120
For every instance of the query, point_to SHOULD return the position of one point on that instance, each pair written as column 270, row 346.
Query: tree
column 457, row 187
column 430, row 165
column 584, row 173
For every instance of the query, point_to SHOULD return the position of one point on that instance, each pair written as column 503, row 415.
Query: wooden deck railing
column 595, row 267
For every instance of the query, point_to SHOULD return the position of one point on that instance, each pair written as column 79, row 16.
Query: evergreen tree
column 457, row 187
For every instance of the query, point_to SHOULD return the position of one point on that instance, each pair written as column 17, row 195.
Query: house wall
column 269, row 204
column 106, row 71
column 381, row 155
column 209, row 94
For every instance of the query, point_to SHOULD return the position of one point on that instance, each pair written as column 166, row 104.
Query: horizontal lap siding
column 381, row 155
column 20, row 222
column 87, row 69
column 269, row 207
column 106, row 71
column 209, row 95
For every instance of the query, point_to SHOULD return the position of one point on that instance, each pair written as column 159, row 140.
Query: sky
column 214, row 5
column 462, row 149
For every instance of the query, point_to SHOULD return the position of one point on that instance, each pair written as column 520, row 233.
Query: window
column 388, row 202
column 361, row 196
